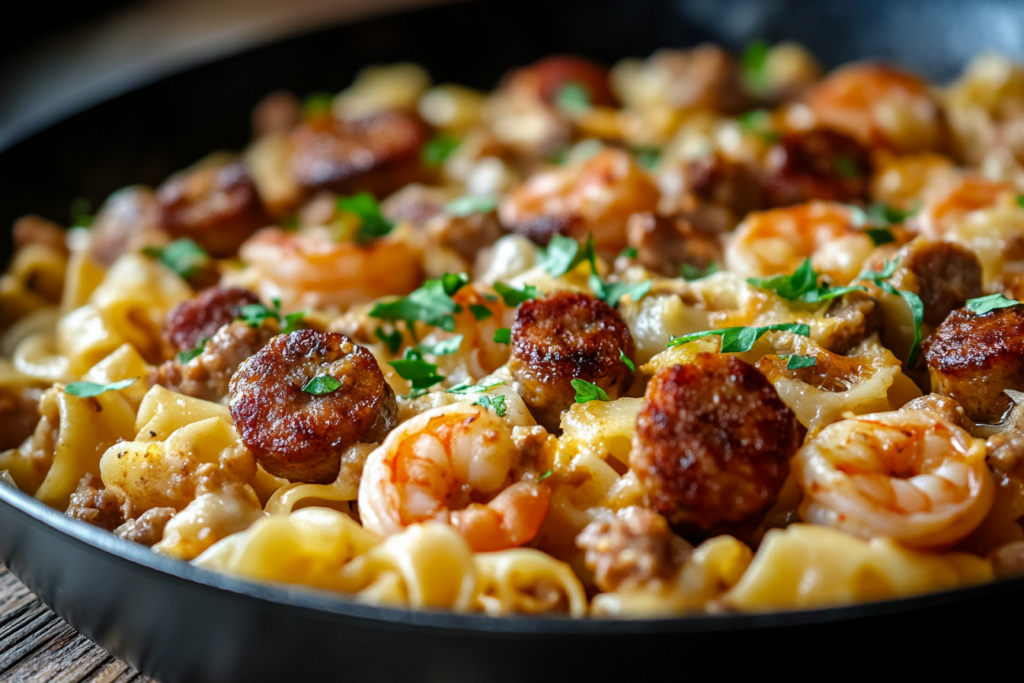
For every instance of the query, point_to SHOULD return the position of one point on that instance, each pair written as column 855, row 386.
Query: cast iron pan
column 179, row 623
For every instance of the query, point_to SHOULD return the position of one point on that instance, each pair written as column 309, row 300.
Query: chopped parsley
column 1020, row 200
column 183, row 256
column 438, row 149
column 912, row 300
column 467, row 388
column 321, row 384
column 796, row 362
column 628, row 252
column 393, row 339
column 648, row 157
column 611, row 292
column 585, row 391
column 758, row 122
column 81, row 213
column 495, row 403
column 847, row 168
column 691, row 273
column 468, row 204
column 739, row 339
column 253, row 315
column 987, row 304
column 876, row 221
column 573, row 98
column 317, row 105
column 512, row 296
column 544, row 476
column 432, row 304
column 418, row 372
column 442, row 348
column 564, row 253
column 480, row 312
column 755, row 66
column 625, row 359
column 186, row 356
column 372, row 223
column 90, row 389
column 802, row 285
column 503, row 335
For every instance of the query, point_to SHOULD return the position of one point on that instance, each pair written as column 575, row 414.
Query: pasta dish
column 699, row 333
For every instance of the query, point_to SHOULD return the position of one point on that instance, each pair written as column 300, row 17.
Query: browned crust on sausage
column 663, row 244
column 713, row 441
column 298, row 435
column 947, row 276
column 817, row 164
column 714, row 178
column 216, row 204
column 974, row 358
column 562, row 337
column 201, row 316
column 328, row 153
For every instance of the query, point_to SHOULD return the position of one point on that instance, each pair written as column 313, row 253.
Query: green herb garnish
column 480, row 312
column 442, row 348
column 755, row 63
column 847, row 168
column 802, row 285
column 912, row 300
column 321, row 384
column 611, row 292
column 986, row 304
column 254, row 314
column 691, row 273
column 418, row 372
column 564, row 253
column 432, row 304
column 544, row 476
column 186, row 356
column 453, row 282
column 467, row 388
column 512, row 296
column 90, row 389
column 648, row 157
column 372, row 223
column 625, row 359
column 797, row 362
column 183, row 256
column 495, row 403
column 1020, row 200
column 393, row 339
column 628, row 252
column 438, row 149
column 318, row 104
column 81, row 213
column 740, row 339
column 585, row 391
column 503, row 335
column 467, row 205
column 573, row 98
column 758, row 122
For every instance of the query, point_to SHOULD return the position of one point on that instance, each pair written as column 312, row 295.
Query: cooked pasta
column 665, row 339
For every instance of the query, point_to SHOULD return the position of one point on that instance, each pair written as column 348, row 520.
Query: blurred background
column 55, row 60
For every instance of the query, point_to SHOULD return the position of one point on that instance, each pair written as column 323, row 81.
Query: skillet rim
column 33, row 511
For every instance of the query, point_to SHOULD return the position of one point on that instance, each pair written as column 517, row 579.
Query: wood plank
column 38, row 646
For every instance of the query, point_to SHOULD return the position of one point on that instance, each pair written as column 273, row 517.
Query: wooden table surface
column 37, row 645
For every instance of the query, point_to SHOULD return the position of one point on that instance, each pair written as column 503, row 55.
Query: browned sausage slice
column 713, row 442
column 817, row 164
column 562, row 337
column 300, row 435
column 201, row 316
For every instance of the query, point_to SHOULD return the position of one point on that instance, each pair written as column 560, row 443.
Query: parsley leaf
column 438, row 149
column 480, row 312
column 986, row 304
column 512, row 296
column 648, row 157
column 564, row 253
column 802, row 286
column 503, row 335
column 585, row 391
column 611, row 292
column 1020, row 200
column 254, row 314
column 466, row 388
column 317, row 105
column 453, row 282
column 418, row 372
column 430, row 304
column 186, row 356
column 468, row 204
column 847, row 168
column 183, row 256
column 625, row 359
column 81, row 213
column 90, row 389
column 912, row 300
column 321, row 384
column 495, row 403
column 544, row 476
column 797, row 362
column 372, row 223
column 877, row 220
column 628, row 252
column 443, row 348
column 739, row 339
column 573, row 98
column 691, row 273
column 755, row 62
column 758, row 122
column 392, row 340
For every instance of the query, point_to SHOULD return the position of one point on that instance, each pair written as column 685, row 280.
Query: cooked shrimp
column 310, row 269
column 879, row 106
column 596, row 197
column 777, row 241
column 452, row 465
column 951, row 201
column 910, row 475
column 296, row 433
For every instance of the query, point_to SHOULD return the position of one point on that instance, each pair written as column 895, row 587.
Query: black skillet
column 179, row 623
